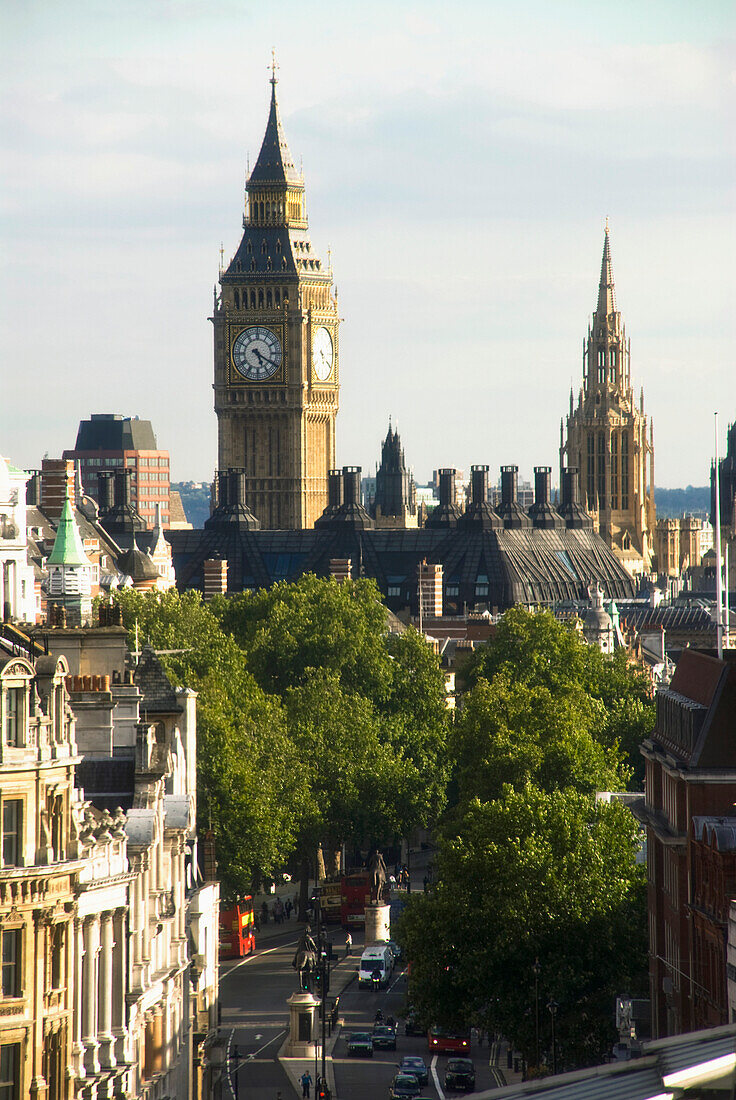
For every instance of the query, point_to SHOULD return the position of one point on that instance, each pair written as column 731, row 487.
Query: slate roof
column 159, row 696
column 507, row 566
column 108, row 782
column 275, row 163
column 719, row 832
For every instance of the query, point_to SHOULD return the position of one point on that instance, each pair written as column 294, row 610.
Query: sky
column 460, row 161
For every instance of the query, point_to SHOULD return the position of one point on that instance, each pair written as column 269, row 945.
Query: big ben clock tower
column 276, row 348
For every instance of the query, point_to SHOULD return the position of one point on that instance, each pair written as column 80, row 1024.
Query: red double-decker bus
column 237, row 931
column 355, row 895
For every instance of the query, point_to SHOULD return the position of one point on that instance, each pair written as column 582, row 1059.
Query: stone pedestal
column 303, row 1025
column 377, row 923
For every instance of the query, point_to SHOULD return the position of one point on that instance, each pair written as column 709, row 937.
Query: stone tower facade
column 395, row 503
column 277, row 348
column 609, row 439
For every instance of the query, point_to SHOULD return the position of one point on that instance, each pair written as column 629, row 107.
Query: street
column 253, row 995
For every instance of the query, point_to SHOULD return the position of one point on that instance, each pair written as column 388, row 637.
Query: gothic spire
column 606, row 292
column 275, row 163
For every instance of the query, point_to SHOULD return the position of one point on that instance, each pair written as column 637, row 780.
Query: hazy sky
column 460, row 160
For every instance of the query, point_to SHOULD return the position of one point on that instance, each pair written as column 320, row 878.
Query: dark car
column 414, row 1064
column 460, row 1074
column 360, row 1042
column 404, row 1085
column 413, row 1025
column 384, row 1037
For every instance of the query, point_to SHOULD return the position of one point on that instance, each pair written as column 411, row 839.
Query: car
column 384, row 1037
column 395, row 951
column 460, row 1074
column 412, row 1024
column 414, row 1064
column 404, row 1085
column 360, row 1043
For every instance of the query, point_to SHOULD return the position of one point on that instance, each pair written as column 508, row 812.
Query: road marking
column 257, row 955
column 268, row 1044
column 392, row 987
column 436, row 1079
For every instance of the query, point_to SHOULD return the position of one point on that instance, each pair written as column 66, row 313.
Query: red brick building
column 690, row 780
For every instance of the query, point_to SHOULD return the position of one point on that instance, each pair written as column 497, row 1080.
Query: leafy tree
column 536, row 650
column 531, row 875
column 513, row 733
column 250, row 784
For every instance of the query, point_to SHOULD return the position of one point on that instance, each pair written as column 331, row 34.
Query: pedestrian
column 288, row 908
column 306, row 1080
column 348, row 944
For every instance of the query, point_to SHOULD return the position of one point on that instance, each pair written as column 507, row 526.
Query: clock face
column 322, row 354
column 257, row 353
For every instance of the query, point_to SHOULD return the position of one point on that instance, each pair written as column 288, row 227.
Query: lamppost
column 553, row 1006
column 323, row 976
column 537, row 971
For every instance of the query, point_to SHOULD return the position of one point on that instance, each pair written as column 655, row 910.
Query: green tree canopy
column 533, row 648
column 532, row 875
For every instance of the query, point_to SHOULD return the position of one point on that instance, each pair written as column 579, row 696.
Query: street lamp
column 553, row 1006
column 537, row 971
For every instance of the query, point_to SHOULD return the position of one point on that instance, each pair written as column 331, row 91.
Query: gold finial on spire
column 273, row 66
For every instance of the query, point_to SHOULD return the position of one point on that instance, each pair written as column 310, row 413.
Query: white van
column 377, row 959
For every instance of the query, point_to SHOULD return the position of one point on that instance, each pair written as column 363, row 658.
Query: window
column 57, row 956
column 394, row 590
column 481, row 589
column 452, row 590
column 10, row 1071
column 14, row 716
column 601, row 364
column 11, row 955
column 601, row 470
column 12, row 822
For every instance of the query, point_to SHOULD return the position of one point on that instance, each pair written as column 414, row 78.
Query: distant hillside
column 195, row 497
column 676, row 502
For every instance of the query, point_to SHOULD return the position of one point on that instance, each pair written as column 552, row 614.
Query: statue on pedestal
column 377, row 871
column 305, row 959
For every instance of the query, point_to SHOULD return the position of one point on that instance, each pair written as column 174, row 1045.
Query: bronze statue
column 305, row 959
column 377, row 871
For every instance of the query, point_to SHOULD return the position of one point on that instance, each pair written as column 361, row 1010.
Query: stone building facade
column 102, row 910
column 609, row 438
column 39, row 867
column 276, row 347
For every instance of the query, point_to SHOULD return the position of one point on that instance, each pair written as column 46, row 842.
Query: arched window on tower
column 624, row 471
column 263, row 248
column 614, row 366
column 601, row 365
column 278, row 246
column 277, row 296
column 260, row 299
column 269, row 298
column 249, row 248
column 237, row 298
column 252, row 299
column 253, row 264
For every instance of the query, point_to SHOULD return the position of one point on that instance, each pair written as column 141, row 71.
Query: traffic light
column 317, row 978
column 323, row 1093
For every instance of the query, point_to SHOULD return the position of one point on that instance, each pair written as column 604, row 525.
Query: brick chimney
column 215, row 577
column 57, row 478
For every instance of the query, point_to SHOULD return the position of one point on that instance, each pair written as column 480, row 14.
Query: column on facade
column 89, row 994
column 119, row 969
column 77, row 970
column 107, row 1052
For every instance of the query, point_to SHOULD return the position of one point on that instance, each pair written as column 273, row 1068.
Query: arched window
column 253, row 264
column 249, row 248
column 252, row 299
column 278, row 246
column 269, row 299
column 614, row 366
column 277, row 296
column 601, row 364
column 260, row 299
column 237, row 299
column 263, row 248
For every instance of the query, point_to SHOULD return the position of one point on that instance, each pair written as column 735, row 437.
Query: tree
column 511, row 732
column 533, row 648
column 250, row 785
column 531, row 874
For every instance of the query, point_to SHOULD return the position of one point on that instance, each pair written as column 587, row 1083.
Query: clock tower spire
column 276, row 346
